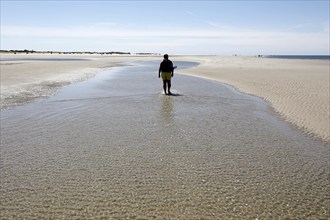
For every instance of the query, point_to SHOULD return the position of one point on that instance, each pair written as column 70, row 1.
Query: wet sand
column 26, row 77
column 114, row 147
column 297, row 89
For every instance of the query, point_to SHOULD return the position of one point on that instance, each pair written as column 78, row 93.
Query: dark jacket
column 166, row 66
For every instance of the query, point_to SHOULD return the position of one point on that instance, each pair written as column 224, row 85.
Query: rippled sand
column 114, row 147
column 297, row 89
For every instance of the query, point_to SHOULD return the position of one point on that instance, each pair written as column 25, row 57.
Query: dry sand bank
column 25, row 78
column 297, row 89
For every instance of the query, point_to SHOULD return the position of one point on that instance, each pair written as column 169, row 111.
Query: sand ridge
column 297, row 89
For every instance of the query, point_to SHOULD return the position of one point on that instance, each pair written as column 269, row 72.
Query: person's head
column 166, row 56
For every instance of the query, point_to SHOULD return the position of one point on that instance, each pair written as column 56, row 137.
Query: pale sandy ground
column 297, row 89
column 25, row 80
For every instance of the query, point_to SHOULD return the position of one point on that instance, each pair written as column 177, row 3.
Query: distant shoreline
column 29, row 52
column 72, row 52
column 303, row 57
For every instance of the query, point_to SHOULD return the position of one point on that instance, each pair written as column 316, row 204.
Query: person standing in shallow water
column 166, row 70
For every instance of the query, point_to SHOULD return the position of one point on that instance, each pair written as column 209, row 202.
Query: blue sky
column 174, row 27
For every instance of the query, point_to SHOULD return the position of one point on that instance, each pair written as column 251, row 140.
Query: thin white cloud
column 95, row 31
column 221, row 26
column 326, row 27
column 113, row 36
column 104, row 24
column 298, row 26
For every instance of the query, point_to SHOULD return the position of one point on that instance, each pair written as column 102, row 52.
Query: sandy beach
column 298, row 90
column 25, row 77
column 115, row 147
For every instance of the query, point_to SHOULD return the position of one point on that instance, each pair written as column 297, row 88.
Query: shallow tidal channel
column 115, row 147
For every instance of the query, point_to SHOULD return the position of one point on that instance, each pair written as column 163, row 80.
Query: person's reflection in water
column 167, row 110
